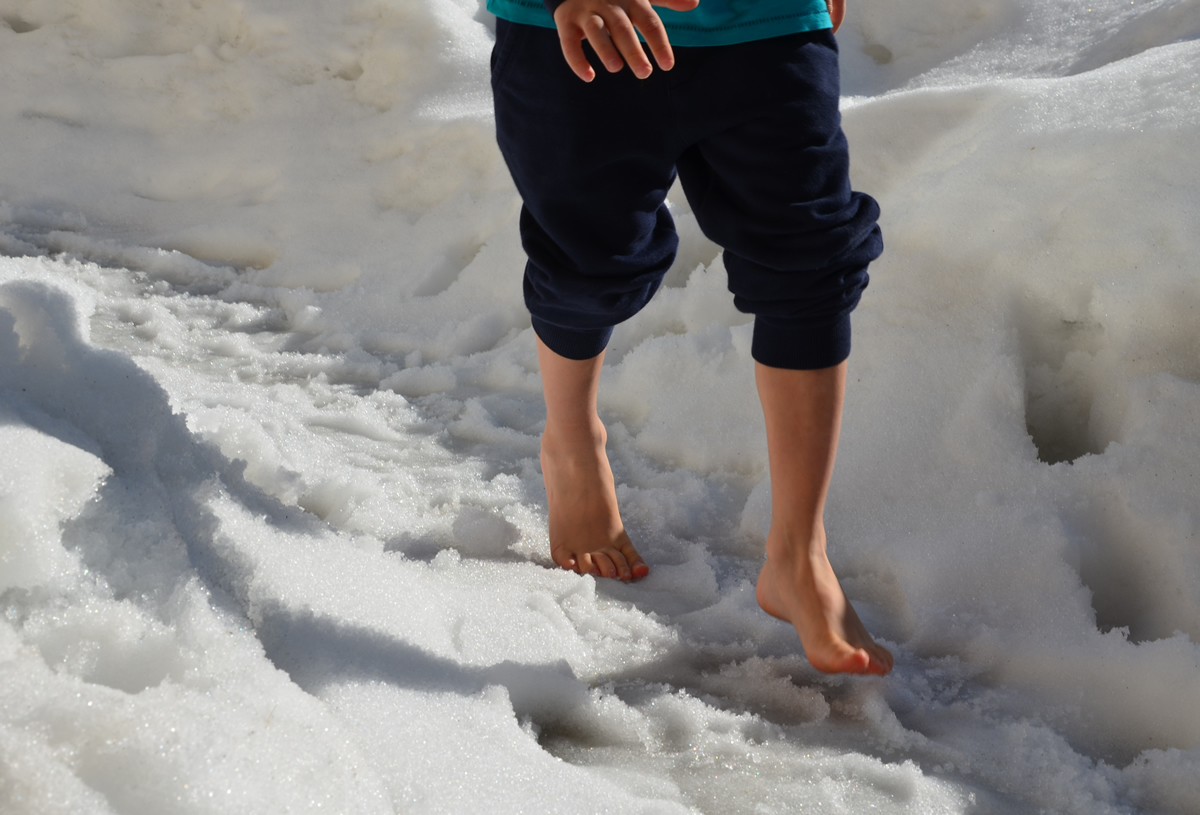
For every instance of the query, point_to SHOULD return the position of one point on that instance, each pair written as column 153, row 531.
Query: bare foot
column 803, row 410
column 805, row 592
column 586, row 532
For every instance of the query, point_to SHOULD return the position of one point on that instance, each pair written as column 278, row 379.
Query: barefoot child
column 745, row 111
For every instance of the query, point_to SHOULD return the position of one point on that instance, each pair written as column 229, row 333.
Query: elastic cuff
column 571, row 343
column 800, row 348
column 551, row 5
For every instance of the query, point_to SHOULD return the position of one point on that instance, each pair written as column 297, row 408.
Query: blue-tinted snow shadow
column 151, row 528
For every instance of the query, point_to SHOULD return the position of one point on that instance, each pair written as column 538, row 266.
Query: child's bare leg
column 586, row 533
column 803, row 411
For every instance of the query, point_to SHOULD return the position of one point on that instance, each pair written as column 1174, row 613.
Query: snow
column 272, row 530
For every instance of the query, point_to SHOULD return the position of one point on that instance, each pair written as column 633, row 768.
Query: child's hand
column 611, row 27
column 837, row 12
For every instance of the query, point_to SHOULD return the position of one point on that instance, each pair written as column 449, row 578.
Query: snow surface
column 272, row 532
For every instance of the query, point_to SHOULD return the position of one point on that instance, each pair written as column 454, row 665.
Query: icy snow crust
column 272, row 533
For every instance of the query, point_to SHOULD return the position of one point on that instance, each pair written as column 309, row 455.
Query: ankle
column 795, row 545
column 571, row 438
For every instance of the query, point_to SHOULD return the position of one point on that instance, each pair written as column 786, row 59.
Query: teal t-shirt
column 713, row 22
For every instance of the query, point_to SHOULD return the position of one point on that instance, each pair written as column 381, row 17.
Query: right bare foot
column 586, row 532
column 805, row 592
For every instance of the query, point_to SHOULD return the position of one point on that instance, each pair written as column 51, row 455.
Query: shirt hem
column 681, row 34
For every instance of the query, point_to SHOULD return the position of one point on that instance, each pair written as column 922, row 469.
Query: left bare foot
column 586, row 533
column 803, row 410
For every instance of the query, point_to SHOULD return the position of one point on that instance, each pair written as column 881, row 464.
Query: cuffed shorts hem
column 571, row 343
column 800, row 348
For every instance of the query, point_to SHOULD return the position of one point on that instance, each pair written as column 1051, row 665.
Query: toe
column 587, row 564
column 637, row 566
column 563, row 559
column 849, row 661
column 881, row 661
column 621, row 564
column 623, row 571
column 604, row 564
column 859, row 662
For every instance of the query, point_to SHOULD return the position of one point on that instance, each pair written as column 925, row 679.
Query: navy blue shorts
column 754, row 134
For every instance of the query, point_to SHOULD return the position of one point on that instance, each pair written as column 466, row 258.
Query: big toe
column 637, row 566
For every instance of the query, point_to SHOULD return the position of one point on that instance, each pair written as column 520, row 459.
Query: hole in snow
column 879, row 54
column 18, row 25
column 1136, row 569
column 1062, row 377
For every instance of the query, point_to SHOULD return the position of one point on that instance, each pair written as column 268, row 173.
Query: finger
column 572, row 48
column 676, row 5
column 837, row 12
column 655, row 34
column 602, row 44
column 624, row 37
